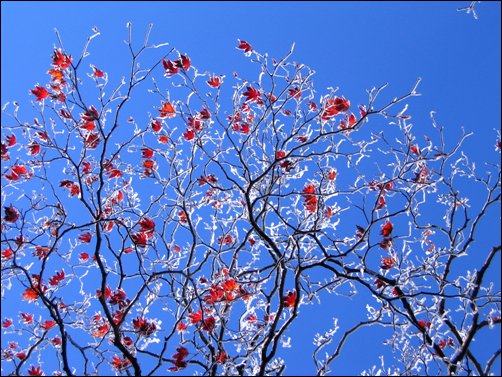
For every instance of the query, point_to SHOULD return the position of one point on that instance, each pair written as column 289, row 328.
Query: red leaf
column 7, row 254
column 214, row 81
column 35, row 371
column 185, row 62
column 40, row 92
column 246, row 47
column 11, row 140
column 30, row 295
column 171, row 67
column 279, row 155
column 415, row 149
column 61, row 60
column 386, row 229
column 195, row 317
column 120, row 364
column 290, row 300
column 140, row 239
column 295, row 93
column 48, row 324
column 387, row 263
column 310, row 198
column 97, row 72
column 27, row 318
column 163, row 139
column 85, row 238
column 147, row 225
column 221, row 357
column 252, row 94
column 34, row 148
column 167, row 111
column 189, row 134
column 11, row 214
column 92, row 141
column 156, row 125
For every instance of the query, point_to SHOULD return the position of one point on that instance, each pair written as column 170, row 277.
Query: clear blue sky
column 351, row 45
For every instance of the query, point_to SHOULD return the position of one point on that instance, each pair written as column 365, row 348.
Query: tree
column 190, row 238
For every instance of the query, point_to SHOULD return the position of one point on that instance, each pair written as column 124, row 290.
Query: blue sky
column 351, row 45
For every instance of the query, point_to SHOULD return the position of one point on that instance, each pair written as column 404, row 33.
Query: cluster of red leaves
column 27, row 318
column 141, row 238
column 143, row 326
column 32, row 294
column 97, row 72
column 172, row 67
column 348, row 123
column 209, row 179
column 71, row 186
column 11, row 214
column 387, row 229
column 89, row 115
column 424, row 324
column 387, row 263
column 244, row 46
column 35, row 371
column 421, row 176
column 10, row 141
column 214, row 81
column 241, row 127
column 60, row 62
column 196, row 123
column 110, row 170
column 207, row 323
column 120, row 364
column 229, row 290
column 166, row 111
column 41, row 252
column 221, row 357
column 100, row 326
column 287, row 165
column 7, row 254
column 148, row 164
column 333, row 107
column 443, row 343
column 295, row 93
column 226, row 240
column 253, row 95
column 17, row 172
column 85, row 237
column 383, row 188
column 57, row 278
column 310, row 198
column 182, row 215
column 48, row 324
column 415, row 149
column 289, row 300
column 179, row 359
column 40, row 92
column 119, row 298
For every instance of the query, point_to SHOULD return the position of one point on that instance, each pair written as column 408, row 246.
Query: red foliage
column 35, row 371
column 310, row 198
column 214, row 81
column 289, row 300
column 40, row 92
column 97, row 72
column 244, row 46
column 119, row 363
column 11, row 214
column 252, row 94
column 386, row 229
